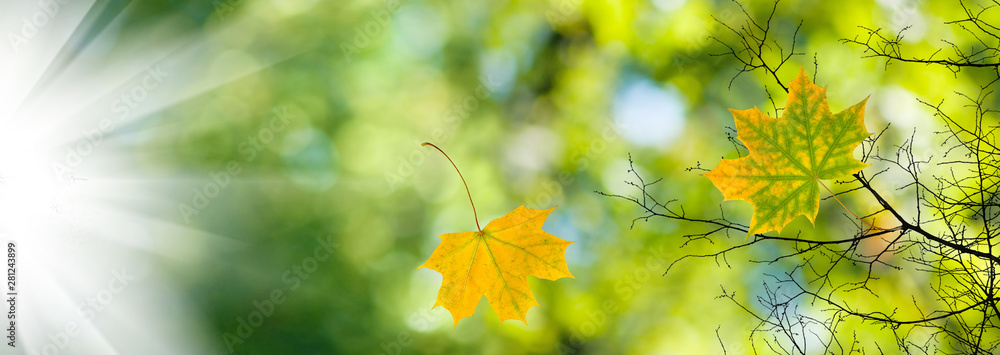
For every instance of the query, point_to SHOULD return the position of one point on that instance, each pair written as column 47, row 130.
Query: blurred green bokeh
column 539, row 103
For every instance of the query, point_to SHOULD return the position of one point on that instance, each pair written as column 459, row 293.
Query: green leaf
column 789, row 155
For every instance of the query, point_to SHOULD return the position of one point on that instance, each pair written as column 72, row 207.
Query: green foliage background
column 547, row 134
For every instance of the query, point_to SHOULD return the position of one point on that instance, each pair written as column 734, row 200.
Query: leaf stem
column 463, row 183
column 849, row 210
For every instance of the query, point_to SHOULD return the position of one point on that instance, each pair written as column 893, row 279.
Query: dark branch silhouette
column 984, row 55
column 939, row 233
column 753, row 43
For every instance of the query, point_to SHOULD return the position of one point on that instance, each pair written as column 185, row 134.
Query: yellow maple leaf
column 495, row 262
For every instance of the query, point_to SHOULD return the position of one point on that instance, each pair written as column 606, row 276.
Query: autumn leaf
column 496, row 262
column 789, row 156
